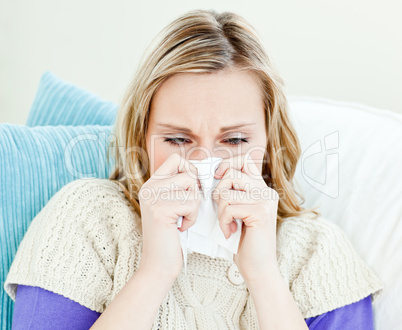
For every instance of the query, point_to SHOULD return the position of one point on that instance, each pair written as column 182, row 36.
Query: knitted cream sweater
column 86, row 243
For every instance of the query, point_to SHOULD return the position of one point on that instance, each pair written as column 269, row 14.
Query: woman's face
column 207, row 115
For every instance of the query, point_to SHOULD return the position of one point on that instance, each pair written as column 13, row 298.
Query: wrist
column 270, row 277
column 274, row 303
column 156, row 276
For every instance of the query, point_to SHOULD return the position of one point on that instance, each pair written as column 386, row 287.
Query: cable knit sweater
column 86, row 243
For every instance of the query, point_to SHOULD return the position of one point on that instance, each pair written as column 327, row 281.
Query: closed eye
column 231, row 141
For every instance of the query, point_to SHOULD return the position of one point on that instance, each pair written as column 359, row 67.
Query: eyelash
column 170, row 141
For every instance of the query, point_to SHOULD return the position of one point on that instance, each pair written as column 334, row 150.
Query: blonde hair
column 204, row 41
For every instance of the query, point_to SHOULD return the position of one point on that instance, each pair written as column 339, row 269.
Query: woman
column 102, row 254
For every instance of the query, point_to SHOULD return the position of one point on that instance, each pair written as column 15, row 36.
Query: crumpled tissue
column 206, row 236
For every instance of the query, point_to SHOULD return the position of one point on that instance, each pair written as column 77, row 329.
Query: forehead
column 215, row 95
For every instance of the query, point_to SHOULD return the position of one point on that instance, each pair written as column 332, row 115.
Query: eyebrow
column 188, row 131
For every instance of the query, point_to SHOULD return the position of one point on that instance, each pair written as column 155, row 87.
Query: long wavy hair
column 204, row 41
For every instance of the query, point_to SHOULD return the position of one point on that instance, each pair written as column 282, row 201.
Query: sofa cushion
column 35, row 162
column 61, row 103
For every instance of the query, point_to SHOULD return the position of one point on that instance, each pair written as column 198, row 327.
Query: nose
column 202, row 152
column 199, row 153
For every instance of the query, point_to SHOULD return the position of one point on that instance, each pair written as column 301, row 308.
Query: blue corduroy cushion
column 61, row 103
column 36, row 162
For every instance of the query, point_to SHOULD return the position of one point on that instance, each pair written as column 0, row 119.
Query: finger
column 237, row 197
column 232, row 212
column 223, row 203
column 188, row 210
column 250, row 167
column 189, row 219
column 180, row 181
column 194, row 172
column 225, row 221
column 168, row 189
column 233, row 179
column 248, row 196
column 242, row 162
column 226, row 163
column 227, row 215
column 233, row 226
column 173, row 165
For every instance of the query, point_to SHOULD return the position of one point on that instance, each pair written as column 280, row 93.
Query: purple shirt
column 38, row 308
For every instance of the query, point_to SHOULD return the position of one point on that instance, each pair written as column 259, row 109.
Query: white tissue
column 206, row 236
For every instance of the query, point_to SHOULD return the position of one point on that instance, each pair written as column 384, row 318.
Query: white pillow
column 351, row 166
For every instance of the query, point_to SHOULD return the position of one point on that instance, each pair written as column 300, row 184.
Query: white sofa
column 351, row 166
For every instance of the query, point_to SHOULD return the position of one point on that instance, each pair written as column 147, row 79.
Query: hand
column 243, row 194
column 179, row 189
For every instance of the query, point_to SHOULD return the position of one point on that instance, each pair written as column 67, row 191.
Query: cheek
column 257, row 153
column 158, row 153
column 258, row 161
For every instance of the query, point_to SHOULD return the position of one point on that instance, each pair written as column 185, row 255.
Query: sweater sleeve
column 35, row 306
column 74, row 243
column 358, row 315
column 39, row 308
column 322, row 267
